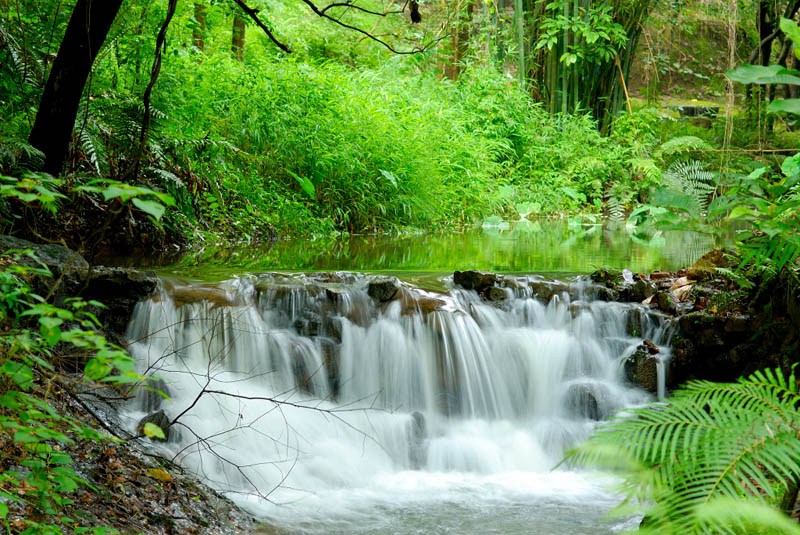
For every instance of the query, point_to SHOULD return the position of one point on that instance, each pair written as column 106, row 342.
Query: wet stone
column 383, row 289
column 475, row 280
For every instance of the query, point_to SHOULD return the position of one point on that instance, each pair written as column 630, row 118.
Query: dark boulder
column 383, row 289
column 479, row 281
column 641, row 367
column 119, row 289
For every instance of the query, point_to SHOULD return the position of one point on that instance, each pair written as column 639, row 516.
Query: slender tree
column 199, row 27
column 237, row 37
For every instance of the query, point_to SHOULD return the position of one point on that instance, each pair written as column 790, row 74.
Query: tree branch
column 253, row 14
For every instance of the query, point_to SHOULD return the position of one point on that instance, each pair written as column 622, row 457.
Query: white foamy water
column 323, row 411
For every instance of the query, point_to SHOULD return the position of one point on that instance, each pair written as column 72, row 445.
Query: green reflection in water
column 522, row 247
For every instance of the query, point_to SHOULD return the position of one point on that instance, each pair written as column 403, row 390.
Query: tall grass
column 383, row 148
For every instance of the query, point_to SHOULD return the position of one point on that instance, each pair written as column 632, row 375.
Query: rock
column 665, row 301
column 642, row 367
column 119, row 289
column 158, row 418
column 189, row 295
column 417, row 441
column 330, row 358
column 56, row 257
column 334, row 296
column 642, row 290
column 737, row 323
column 383, row 289
column 150, row 397
column 582, row 400
column 475, row 280
column 707, row 265
column 495, row 294
column 608, row 277
column 651, row 347
column 602, row 293
column 657, row 275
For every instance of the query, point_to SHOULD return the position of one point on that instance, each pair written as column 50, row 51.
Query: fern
column 615, row 208
column 691, row 179
column 711, row 441
column 682, row 144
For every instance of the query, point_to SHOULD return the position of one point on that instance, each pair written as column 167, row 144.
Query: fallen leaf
column 680, row 283
column 159, row 474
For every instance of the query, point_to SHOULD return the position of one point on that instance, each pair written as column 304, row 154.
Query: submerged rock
column 418, row 441
column 582, row 400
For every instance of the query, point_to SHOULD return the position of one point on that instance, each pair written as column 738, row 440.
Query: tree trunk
column 766, row 25
column 199, row 27
column 237, row 40
column 87, row 30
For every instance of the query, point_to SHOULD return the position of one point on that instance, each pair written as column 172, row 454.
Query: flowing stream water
column 323, row 409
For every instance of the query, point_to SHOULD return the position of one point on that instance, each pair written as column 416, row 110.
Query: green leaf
column 21, row 374
column 789, row 27
column 305, row 184
column 784, row 105
column 741, row 211
column 152, row 208
column 3, row 511
column 153, row 431
column 750, row 74
column 389, row 176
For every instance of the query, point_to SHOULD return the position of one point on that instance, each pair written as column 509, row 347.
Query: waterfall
column 305, row 389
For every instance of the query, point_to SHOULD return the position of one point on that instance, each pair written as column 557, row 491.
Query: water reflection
column 524, row 246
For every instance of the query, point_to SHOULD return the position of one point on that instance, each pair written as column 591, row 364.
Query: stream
column 350, row 402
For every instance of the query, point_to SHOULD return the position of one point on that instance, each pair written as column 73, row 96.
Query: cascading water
column 325, row 410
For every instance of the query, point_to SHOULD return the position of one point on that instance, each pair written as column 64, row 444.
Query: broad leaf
column 784, row 105
column 152, row 208
column 750, row 74
column 151, row 430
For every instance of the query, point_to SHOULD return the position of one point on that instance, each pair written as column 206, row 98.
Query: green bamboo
column 519, row 16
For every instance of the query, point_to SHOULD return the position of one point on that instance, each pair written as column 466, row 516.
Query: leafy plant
column 40, row 474
column 710, row 444
column 691, row 179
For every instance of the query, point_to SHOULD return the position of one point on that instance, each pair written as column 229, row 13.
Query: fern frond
column 710, row 441
column 680, row 144
column 690, row 178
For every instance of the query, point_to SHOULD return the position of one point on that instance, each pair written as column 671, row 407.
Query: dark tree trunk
column 87, row 30
column 766, row 25
column 237, row 40
column 199, row 27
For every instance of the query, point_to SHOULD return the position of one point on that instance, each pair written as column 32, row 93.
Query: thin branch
column 368, row 35
column 359, row 8
column 253, row 14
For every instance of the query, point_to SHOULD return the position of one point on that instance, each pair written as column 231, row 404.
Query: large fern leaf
column 711, row 441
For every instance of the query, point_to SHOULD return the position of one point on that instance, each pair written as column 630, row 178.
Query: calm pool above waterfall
column 547, row 246
column 332, row 403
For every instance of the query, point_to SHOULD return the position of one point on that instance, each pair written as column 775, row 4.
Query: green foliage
column 767, row 203
column 31, row 330
column 597, row 36
column 692, row 180
column 712, row 459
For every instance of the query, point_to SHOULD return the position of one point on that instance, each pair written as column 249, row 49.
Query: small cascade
column 291, row 387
